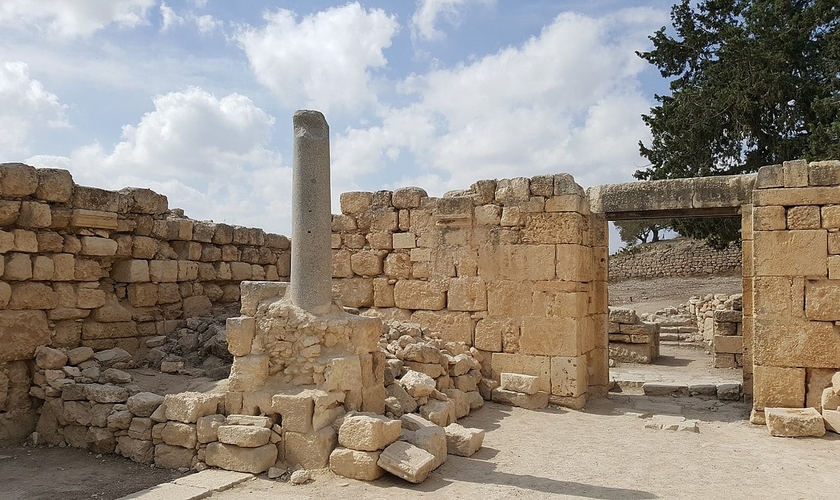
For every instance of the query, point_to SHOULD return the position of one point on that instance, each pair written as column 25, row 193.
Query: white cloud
column 324, row 60
column 567, row 100
column 25, row 104
column 205, row 23
column 74, row 18
column 169, row 18
column 210, row 156
column 429, row 12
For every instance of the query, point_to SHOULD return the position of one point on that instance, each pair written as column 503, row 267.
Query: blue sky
column 194, row 98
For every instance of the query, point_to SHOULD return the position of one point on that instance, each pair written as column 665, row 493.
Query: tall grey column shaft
column 311, row 273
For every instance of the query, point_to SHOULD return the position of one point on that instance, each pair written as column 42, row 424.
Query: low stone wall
column 84, row 266
column 719, row 324
column 677, row 257
column 631, row 339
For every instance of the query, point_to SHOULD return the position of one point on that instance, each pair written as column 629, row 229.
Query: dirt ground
column 651, row 295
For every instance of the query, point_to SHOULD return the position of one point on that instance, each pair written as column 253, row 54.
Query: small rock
column 275, row 472
column 300, row 477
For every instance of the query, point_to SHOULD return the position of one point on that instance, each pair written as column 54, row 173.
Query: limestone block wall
column 514, row 267
column 97, row 268
column 792, row 301
column 677, row 257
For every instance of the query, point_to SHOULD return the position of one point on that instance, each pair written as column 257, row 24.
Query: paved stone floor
column 677, row 364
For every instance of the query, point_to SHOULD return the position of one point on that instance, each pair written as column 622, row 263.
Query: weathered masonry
column 516, row 268
column 790, row 232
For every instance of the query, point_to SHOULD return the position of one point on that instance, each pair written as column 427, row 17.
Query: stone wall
column 677, row 257
column 84, row 266
column 515, row 268
column 792, row 295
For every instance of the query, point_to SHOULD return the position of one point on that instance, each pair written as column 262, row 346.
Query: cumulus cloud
column 429, row 12
column 324, row 60
column 26, row 105
column 74, row 18
column 209, row 155
column 568, row 100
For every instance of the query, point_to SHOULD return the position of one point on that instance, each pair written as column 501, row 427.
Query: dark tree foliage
column 753, row 83
column 635, row 231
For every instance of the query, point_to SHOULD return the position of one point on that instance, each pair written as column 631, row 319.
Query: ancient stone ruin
column 359, row 344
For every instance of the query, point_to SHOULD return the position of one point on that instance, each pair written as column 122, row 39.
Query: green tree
column 635, row 231
column 753, row 83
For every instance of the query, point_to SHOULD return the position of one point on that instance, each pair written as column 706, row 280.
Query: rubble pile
column 199, row 348
column 424, row 374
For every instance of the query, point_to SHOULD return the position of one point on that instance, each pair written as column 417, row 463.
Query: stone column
column 311, row 273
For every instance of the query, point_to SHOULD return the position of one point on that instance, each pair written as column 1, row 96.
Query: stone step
column 723, row 391
column 675, row 337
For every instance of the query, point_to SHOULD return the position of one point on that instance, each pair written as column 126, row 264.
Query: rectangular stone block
column 453, row 326
column 793, row 342
column 517, row 262
column 416, row 294
column 96, row 331
column 517, row 382
column 130, row 271
column 95, row 219
column 794, row 422
column 569, row 376
column 556, row 228
column 407, row 461
column 729, row 344
column 508, row 299
column 534, row 401
column 771, row 218
column 467, row 294
column 778, row 387
column 791, row 253
column 310, row 450
column 574, row 263
column 163, row 271
column 538, row 366
column 796, row 196
column 296, row 409
column 822, row 300
column 230, row 457
column 552, row 336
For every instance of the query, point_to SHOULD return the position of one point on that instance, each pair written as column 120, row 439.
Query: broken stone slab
column 407, row 403
column 356, row 464
column 253, row 421
column 407, row 461
column 829, row 400
column 794, row 422
column 143, row 404
column 413, row 422
column 106, row 393
column 110, row 356
column 230, row 457
column 518, row 382
column 463, row 441
column 440, row 413
column 729, row 392
column 310, row 450
column 660, row 389
column 187, row 407
column 417, row 384
column 535, row 401
column 703, row 390
column 831, row 419
column 368, row 432
column 672, row 423
column 431, row 439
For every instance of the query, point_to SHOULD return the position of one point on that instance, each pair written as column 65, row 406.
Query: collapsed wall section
column 83, row 266
column 792, row 298
column 514, row 267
